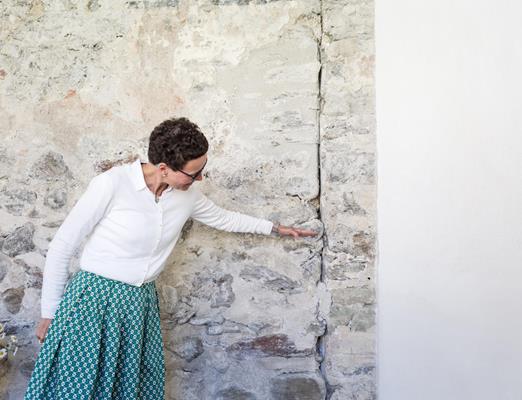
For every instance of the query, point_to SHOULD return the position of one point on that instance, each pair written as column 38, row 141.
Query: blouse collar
column 138, row 179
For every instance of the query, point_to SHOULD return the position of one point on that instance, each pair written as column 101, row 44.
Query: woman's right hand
column 41, row 329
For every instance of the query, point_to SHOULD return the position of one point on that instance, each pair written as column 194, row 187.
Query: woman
column 101, row 337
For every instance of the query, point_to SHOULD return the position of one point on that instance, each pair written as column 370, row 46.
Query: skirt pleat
column 104, row 343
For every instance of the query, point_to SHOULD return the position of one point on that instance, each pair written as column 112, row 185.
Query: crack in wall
column 320, row 343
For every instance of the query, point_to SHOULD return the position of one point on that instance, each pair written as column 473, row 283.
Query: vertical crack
column 320, row 346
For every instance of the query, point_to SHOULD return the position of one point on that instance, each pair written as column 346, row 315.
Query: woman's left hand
column 295, row 232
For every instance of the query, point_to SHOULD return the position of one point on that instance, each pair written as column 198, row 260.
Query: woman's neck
column 152, row 179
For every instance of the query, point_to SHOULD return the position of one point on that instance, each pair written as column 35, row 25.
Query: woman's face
column 182, row 180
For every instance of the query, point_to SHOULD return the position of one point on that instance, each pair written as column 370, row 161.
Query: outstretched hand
column 295, row 232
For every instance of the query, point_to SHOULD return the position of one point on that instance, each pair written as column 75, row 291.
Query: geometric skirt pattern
column 104, row 342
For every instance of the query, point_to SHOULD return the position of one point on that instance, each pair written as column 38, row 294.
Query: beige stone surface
column 284, row 92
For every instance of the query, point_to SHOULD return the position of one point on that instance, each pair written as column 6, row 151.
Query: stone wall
column 348, row 184
column 284, row 92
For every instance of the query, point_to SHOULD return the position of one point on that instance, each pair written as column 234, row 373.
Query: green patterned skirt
column 104, row 342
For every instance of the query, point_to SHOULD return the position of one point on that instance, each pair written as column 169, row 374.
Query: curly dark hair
column 175, row 142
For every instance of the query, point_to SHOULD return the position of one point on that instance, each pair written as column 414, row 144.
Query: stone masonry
column 284, row 91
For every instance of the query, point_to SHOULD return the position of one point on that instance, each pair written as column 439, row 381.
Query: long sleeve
column 79, row 223
column 206, row 212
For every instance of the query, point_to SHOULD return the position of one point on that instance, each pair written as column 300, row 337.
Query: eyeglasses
column 194, row 177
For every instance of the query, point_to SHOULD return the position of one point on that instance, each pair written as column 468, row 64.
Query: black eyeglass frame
column 195, row 175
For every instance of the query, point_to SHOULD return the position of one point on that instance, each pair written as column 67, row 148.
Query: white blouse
column 130, row 235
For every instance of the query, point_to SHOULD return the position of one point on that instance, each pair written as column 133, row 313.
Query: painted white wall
column 449, row 126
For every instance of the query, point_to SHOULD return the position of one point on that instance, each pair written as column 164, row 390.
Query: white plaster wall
column 449, row 119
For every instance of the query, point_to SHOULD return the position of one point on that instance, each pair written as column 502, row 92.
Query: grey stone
column 268, row 278
column 363, row 243
column 242, row 2
column 27, row 367
column 363, row 370
column 170, row 298
column 51, row 167
column 56, row 198
column 6, row 156
column 34, row 214
column 317, row 327
column 287, row 120
column 234, row 393
column 52, row 224
column 148, row 4
column 339, row 268
column 208, row 320
column 19, row 241
column 359, row 383
column 12, row 299
column 358, row 243
column 223, row 296
column 183, row 312
column 295, row 387
column 358, row 318
column 312, row 267
column 188, row 348
column 16, row 201
column 215, row 330
column 213, row 286
column 351, row 206
column 177, row 305
column 354, row 308
column 351, row 167
column 354, row 295
column 5, row 265
column 93, row 5
column 34, row 275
